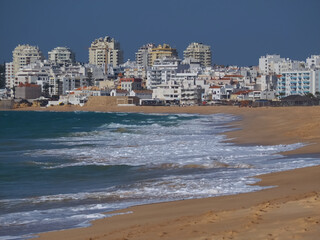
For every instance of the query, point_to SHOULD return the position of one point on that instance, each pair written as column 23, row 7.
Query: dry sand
column 289, row 211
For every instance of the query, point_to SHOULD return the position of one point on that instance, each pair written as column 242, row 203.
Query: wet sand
column 290, row 210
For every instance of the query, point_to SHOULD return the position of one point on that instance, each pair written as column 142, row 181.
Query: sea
column 61, row 170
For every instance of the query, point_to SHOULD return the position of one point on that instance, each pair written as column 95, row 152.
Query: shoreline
column 288, row 211
column 167, row 220
column 286, row 125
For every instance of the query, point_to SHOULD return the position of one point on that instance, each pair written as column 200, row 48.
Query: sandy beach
column 290, row 210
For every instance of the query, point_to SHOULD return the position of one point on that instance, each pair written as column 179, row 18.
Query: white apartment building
column 143, row 55
column 273, row 64
column 298, row 82
column 183, row 93
column 32, row 74
column 132, row 69
column 54, row 80
column 266, row 63
column 169, row 92
column 61, row 56
column 191, row 94
column 104, row 51
column 313, row 61
column 161, row 71
column 199, row 52
column 24, row 55
column 9, row 75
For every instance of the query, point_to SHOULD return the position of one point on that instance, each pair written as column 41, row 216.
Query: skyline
column 238, row 32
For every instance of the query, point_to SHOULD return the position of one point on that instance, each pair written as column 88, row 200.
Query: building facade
column 313, row 61
column 298, row 82
column 274, row 64
column 143, row 55
column 130, row 84
column 199, row 52
column 61, row 56
column 28, row 91
column 161, row 51
column 162, row 71
column 24, row 55
column 9, row 75
column 104, row 51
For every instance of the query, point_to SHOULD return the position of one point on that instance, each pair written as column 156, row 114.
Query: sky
column 238, row 31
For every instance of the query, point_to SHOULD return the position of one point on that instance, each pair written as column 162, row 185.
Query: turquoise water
column 61, row 170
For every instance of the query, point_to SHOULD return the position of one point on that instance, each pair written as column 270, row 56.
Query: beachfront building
column 298, row 82
column 143, row 57
column 199, row 52
column 61, row 56
column 27, row 91
column 141, row 94
column 183, row 93
column 191, row 94
column 36, row 73
column 161, row 51
column 104, row 51
column 24, row 55
column 168, row 92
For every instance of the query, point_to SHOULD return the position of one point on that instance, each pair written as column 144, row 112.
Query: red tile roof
column 234, row 76
column 28, row 85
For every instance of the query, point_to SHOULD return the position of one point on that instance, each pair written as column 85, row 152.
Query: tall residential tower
column 61, row 56
column 104, row 51
column 143, row 55
column 160, row 52
column 199, row 52
column 24, row 55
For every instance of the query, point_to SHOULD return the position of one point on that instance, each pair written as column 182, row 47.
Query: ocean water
column 62, row 170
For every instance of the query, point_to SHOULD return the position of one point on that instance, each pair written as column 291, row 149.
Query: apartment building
column 199, row 52
column 274, row 64
column 9, row 75
column 104, row 51
column 130, row 84
column 313, row 61
column 143, row 55
column 61, row 56
column 24, row 55
column 161, row 51
column 161, row 71
column 298, row 82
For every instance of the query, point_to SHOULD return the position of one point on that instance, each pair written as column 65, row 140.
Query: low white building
column 169, row 92
column 142, row 94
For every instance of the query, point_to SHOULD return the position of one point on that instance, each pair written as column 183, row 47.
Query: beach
column 289, row 210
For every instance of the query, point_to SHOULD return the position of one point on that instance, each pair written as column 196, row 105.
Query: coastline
column 284, row 212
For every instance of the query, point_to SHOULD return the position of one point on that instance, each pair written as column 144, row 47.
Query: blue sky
column 238, row 31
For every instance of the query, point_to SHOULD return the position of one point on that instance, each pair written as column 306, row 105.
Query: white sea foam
column 196, row 160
